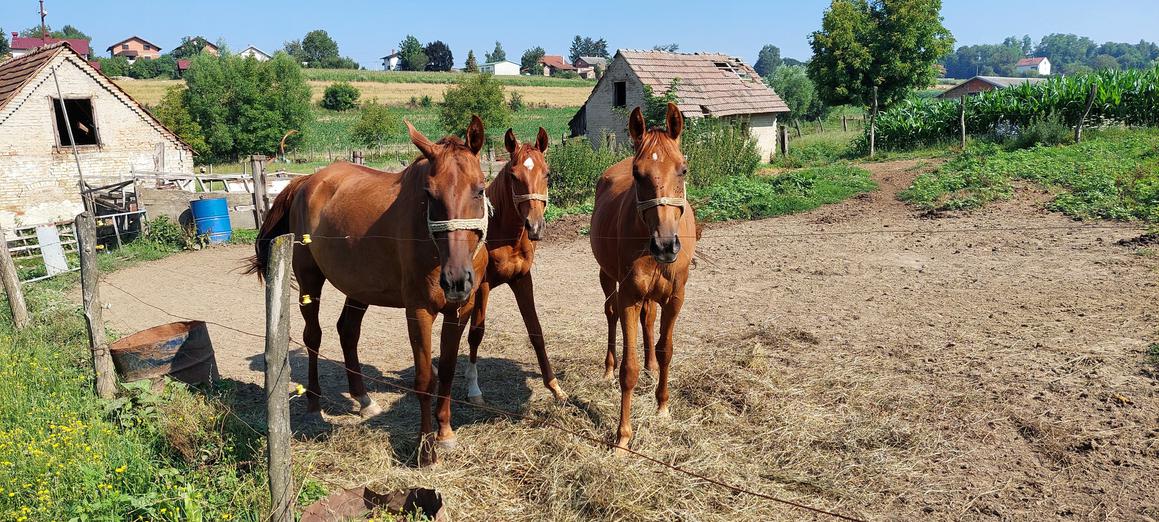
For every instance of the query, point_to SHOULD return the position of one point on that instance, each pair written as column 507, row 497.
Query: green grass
column 353, row 75
column 756, row 197
column 1113, row 174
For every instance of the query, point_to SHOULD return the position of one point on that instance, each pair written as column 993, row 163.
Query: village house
column 589, row 67
column 501, row 68
column 707, row 84
column 390, row 61
column 135, row 47
column 255, row 53
column 21, row 46
column 979, row 84
column 554, row 64
column 1039, row 66
column 113, row 133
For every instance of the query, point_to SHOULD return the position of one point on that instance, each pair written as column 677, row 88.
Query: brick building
column 708, row 84
column 114, row 134
column 135, row 47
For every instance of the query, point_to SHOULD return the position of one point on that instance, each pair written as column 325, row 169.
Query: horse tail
column 277, row 223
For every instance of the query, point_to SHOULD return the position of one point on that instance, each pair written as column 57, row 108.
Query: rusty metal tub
column 179, row 350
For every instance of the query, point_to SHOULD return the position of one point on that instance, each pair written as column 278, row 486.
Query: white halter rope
column 450, row 225
column 663, row 202
column 520, row 198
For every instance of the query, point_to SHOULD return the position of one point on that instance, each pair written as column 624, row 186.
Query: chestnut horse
column 643, row 235
column 519, row 194
column 412, row 240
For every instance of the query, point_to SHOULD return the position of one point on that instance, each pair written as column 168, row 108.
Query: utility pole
column 43, row 26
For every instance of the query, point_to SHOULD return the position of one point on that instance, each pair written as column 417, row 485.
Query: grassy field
column 352, row 75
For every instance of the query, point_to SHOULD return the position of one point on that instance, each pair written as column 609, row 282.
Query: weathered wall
column 38, row 179
column 602, row 118
column 763, row 127
column 174, row 204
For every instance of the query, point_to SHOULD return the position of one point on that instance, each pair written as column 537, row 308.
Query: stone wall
column 602, row 117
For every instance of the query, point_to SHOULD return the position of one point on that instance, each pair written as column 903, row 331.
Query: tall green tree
column 586, row 46
column 318, row 48
column 792, row 84
column 497, row 55
column 4, row 46
column 768, row 60
column 1066, row 51
column 472, row 65
column 173, row 113
column 889, row 44
column 479, row 94
column 439, row 57
column 411, row 56
column 530, row 61
column 190, row 46
column 67, row 32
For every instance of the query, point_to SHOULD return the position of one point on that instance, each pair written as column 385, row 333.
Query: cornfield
column 1124, row 97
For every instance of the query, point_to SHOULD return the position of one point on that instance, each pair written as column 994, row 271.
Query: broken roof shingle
column 709, row 84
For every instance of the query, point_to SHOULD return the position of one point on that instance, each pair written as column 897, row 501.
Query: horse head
column 456, row 208
column 527, row 177
column 659, row 171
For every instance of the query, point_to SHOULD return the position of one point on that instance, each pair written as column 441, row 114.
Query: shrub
column 516, row 103
column 479, row 95
column 575, row 168
column 1049, row 130
column 375, row 126
column 426, row 102
column 172, row 113
column 755, row 197
column 717, row 150
column 167, row 232
column 567, row 75
column 340, row 96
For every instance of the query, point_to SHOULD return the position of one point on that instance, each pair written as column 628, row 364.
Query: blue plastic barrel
column 211, row 218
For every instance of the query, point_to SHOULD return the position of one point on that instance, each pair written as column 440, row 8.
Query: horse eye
column 684, row 171
column 479, row 193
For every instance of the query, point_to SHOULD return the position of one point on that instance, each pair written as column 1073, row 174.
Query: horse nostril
column 675, row 247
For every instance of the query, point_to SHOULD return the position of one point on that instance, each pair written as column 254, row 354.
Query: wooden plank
column 278, row 308
column 86, row 228
column 12, row 285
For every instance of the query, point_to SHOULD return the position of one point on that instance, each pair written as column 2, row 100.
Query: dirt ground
column 861, row 358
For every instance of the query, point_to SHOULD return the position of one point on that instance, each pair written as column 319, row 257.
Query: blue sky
column 367, row 30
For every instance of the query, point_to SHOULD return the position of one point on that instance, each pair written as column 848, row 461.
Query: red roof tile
column 21, row 43
column 709, row 84
column 1026, row 62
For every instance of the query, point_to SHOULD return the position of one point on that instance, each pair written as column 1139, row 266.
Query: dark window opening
column 80, row 119
column 620, row 94
column 125, row 46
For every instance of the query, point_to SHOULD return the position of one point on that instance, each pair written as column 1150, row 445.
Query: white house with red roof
column 1036, row 65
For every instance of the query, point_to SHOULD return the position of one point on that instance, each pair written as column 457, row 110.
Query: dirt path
column 859, row 357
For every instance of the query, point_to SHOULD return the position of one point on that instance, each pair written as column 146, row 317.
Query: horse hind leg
column 310, row 282
column 609, row 286
column 349, row 332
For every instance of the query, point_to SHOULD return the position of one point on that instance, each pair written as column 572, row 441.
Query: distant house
column 210, row 48
column 1039, row 66
column 979, row 84
column 113, row 134
column 709, row 84
column 390, row 61
column 21, row 46
column 586, row 66
column 554, row 64
column 255, row 53
column 182, row 66
column 501, row 68
column 135, row 47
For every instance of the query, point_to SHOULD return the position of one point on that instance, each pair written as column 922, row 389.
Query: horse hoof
column 448, row 445
column 367, row 407
column 560, row 395
column 620, row 451
column 609, row 374
column 313, row 418
column 662, row 412
column 477, row 400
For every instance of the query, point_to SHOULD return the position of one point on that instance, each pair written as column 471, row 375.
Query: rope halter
column 520, row 198
column 451, row 225
column 641, row 206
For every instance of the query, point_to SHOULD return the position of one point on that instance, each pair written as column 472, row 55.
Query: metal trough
column 180, row 350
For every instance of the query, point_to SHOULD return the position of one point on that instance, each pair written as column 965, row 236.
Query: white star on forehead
column 529, row 163
column 655, row 156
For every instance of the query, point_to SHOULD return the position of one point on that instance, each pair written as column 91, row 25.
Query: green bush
column 168, row 233
column 340, row 96
column 425, row 102
column 1049, row 131
column 516, row 103
column 375, row 126
column 477, row 94
column 755, row 197
column 717, row 150
column 575, row 168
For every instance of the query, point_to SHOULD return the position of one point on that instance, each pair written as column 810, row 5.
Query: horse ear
column 475, row 135
column 541, row 140
column 636, row 127
column 510, row 142
column 675, row 121
column 424, row 144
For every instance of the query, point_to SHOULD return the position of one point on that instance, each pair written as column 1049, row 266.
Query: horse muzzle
column 535, row 228
column 457, row 285
column 664, row 250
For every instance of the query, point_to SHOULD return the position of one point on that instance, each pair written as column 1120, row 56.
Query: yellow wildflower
column 120, row 469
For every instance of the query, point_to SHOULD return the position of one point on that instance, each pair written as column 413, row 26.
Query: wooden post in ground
column 962, row 120
column 1078, row 130
column 797, row 126
column 278, row 306
column 873, row 126
column 784, row 140
column 257, row 168
column 356, row 158
column 820, row 125
column 844, row 123
column 86, row 236
column 12, row 285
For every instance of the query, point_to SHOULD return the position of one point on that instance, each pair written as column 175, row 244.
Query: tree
column 530, row 61
column 439, row 57
column 4, row 47
column 479, row 94
column 768, row 60
column 294, row 49
column 174, row 115
column 1104, row 62
column 246, row 106
column 585, row 46
column 318, row 48
column 411, row 56
column 792, row 84
column 472, row 65
column 115, row 66
column 190, row 46
column 340, row 96
column 67, row 32
column 375, row 126
column 1066, row 50
column 668, row 48
column 498, row 55
column 889, row 44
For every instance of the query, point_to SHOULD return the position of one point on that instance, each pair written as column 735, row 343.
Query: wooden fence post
column 1078, row 130
column 278, row 305
column 797, row 126
column 356, row 158
column 86, row 236
column 962, row 120
column 844, row 123
column 873, row 126
column 784, row 140
column 257, row 167
column 820, row 125
column 12, row 285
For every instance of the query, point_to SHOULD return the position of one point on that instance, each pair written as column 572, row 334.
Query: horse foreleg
column 349, row 332
column 524, row 291
column 418, row 322
column 629, row 310
column 474, row 338
column 609, row 286
column 648, row 325
column 310, row 282
column 664, row 348
column 453, row 325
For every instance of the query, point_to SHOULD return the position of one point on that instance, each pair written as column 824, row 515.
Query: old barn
column 113, row 133
column 707, row 84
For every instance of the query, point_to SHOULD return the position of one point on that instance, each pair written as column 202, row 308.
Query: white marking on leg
column 473, row 381
column 529, row 163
